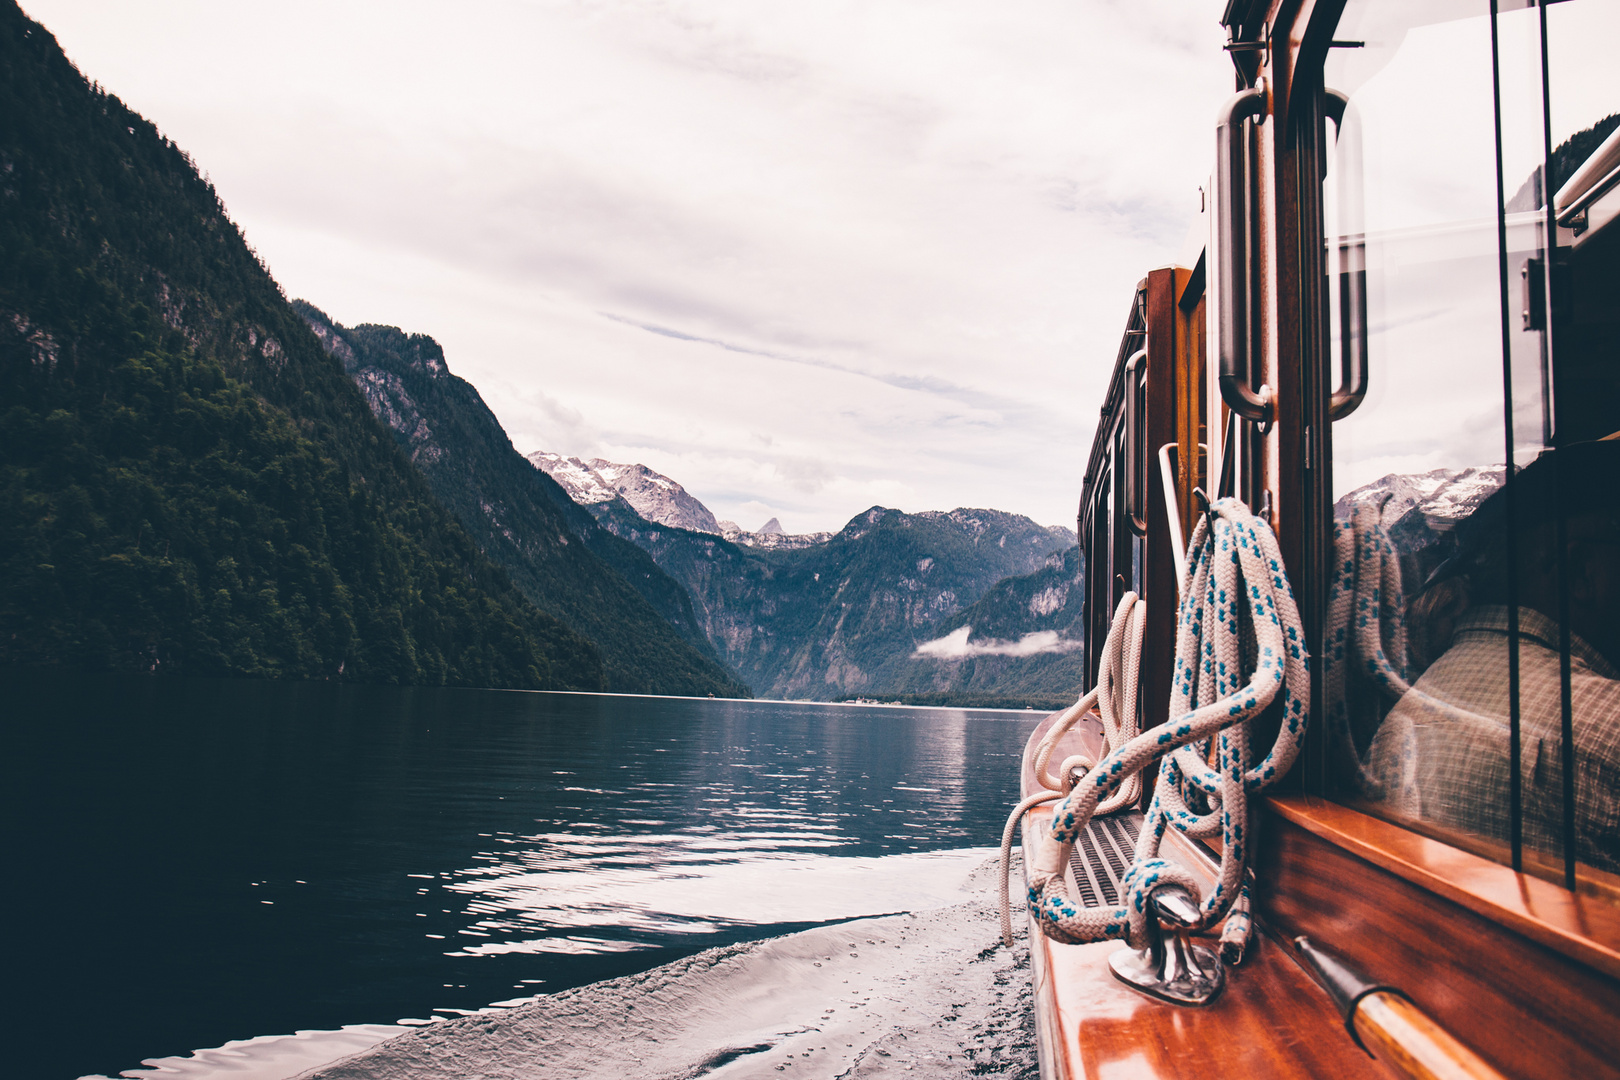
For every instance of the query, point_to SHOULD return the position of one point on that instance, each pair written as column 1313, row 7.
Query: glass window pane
column 1411, row 203
column 1467, row 611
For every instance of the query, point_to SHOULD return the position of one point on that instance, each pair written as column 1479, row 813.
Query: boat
column 1391, row 351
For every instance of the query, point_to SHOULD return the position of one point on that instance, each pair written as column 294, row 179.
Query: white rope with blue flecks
column 1235, row 579
column 1366, row 632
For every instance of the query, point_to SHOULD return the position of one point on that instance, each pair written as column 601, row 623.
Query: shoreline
column 1028, row 710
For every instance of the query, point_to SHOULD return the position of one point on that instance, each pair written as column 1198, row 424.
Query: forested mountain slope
column 187, row 481
column 516, row 514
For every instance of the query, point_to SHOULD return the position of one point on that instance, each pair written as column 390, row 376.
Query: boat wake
column 930, row 991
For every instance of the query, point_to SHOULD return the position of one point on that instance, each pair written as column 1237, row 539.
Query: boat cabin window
column 1113, row 501
column 1471, row 642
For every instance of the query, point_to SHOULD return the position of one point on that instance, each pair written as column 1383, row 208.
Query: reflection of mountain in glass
column 1568, row 157
column 1422, row 510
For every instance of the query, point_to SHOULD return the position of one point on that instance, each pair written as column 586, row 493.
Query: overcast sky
column 803, row 258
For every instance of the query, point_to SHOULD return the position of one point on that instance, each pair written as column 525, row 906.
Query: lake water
column 195, row 862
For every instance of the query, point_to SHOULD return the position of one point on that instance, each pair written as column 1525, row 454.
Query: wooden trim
column 1584, row 927
column 1271, row 1021
column 1159, row 583
column 1522, row 972
column 1300, row 32
column 1411, row 1044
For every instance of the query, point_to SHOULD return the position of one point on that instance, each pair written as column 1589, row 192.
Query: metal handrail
column 1595, row 177
column 1135, row 464
column 1352, row 244
column 1232, row 225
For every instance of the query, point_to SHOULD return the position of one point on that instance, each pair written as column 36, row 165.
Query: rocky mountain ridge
column 772, row 539
column 651, row 494
column 659, row 500
column 844, row 616
column 606, row 588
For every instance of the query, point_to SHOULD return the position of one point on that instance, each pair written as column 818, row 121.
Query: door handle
column 1232, row 270
column 1352, row 251
column 1135, row 464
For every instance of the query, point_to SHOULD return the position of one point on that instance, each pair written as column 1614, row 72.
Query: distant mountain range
column 658, row 499
column 1019, row 643
column 868, row 611
column 652, row 495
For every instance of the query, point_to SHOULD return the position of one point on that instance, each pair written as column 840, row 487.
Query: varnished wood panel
column 1159, row 572
column 1527, row 1009
column 1583, row 926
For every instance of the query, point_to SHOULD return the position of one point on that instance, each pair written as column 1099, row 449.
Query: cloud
column 900, row 237
column 956, row 646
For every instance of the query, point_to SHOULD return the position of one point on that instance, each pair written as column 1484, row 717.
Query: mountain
column 1421, row 511
column 1019, row 643
column 773, row 539
column 188, row 482
column 657, row 499
column 604, row 587
column 652, row 495
column 838, row 618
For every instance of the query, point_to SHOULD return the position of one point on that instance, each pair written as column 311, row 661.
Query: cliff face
column 563, row 561
column 838, row 618
column 1021, row 641
column 188, row 482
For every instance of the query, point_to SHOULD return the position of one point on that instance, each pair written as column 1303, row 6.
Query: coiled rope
column 1236, row 570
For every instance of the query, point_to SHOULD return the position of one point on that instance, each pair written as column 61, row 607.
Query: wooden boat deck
column 1270, row 1021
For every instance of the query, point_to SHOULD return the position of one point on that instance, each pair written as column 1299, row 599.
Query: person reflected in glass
column 1442, row 752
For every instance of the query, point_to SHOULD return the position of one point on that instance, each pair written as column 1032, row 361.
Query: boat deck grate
column 1102, row 856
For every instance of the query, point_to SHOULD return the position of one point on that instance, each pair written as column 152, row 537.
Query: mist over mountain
column 1020, row 642
column 188, row 482
column 562, row 560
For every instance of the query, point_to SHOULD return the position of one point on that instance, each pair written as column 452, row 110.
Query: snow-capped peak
column 654, row 496
column 583, row 484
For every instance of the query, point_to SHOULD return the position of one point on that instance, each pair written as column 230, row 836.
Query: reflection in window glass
column 1456, row 603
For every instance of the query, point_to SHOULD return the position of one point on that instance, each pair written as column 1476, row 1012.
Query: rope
column 1236, row 570
column 1115, row 696
column 1366, row 627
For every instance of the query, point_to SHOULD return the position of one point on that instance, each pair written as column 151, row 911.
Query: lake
column 192, row 862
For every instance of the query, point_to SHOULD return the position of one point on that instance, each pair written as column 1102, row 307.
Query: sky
column 803, row 258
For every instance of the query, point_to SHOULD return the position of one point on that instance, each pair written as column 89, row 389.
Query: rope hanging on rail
column 1237, row 615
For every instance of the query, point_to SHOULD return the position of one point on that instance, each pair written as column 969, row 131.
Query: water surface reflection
column 209, row 861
